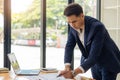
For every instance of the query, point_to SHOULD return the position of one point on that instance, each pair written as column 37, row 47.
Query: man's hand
column 77, row 71
column 67, row 74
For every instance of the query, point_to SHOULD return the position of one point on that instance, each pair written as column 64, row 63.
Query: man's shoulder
column 92, row 21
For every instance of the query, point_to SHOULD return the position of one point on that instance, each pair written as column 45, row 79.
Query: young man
column 99, row 51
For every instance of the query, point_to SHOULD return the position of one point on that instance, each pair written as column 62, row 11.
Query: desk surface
column 12, row 76
column 5, row 76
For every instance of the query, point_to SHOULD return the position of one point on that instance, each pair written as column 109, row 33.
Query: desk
column 5, row 76
column 12, row 76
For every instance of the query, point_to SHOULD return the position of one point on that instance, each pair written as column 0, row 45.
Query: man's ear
column 82, row 15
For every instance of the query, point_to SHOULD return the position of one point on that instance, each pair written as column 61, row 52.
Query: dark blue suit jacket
column 98, row 47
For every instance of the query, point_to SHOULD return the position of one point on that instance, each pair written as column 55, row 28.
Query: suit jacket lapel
column 85, row 35
column 88, row 33
column 82, row 48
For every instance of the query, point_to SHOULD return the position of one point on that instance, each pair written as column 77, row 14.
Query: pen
column 61, row 74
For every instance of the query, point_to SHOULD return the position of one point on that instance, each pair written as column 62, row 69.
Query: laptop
column 16, row 67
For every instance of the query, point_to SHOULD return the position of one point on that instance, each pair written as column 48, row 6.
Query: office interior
column 36, row 30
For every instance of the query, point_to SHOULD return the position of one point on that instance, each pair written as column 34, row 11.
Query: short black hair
column 73, row 9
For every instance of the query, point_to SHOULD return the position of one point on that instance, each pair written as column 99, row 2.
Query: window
column 110, row 16
column 25, row 32
column 56, row 33
column 1, row 33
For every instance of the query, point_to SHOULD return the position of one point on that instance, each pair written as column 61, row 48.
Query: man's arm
column 95, row 46
column 71, row 42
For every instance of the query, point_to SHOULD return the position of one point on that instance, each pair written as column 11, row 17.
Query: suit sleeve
column 69, row 48
column 96, row 46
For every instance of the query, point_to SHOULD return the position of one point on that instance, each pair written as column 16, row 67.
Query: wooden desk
column 12, row 76
column 5, row 76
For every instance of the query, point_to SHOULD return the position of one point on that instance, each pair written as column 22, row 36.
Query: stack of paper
column 3, row 70
column 49, row 76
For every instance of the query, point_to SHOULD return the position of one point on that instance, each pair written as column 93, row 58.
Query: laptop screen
column 14, row 62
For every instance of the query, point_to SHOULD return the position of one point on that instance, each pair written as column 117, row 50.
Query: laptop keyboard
column 29, row 71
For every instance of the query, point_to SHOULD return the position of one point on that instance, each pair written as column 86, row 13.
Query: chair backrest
column 118, row 76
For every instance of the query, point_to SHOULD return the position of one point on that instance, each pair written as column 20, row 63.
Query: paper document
column 49, row 76
column 1, row 78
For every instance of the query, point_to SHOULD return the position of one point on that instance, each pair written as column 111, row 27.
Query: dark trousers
column 100, row 73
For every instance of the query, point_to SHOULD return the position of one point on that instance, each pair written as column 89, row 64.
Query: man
column 99, row 52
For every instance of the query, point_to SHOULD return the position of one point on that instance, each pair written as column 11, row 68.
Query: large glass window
column 110, row 16
column 25, row 32
column 56, row 33
column 1, row 33
column 89, row 7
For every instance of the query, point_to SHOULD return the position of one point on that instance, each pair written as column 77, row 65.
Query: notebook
column 16, row 67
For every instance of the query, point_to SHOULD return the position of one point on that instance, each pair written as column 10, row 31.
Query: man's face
column 76, row 22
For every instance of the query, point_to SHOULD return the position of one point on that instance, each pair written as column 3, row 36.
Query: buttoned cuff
column 67, row 64
column 81, row 68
